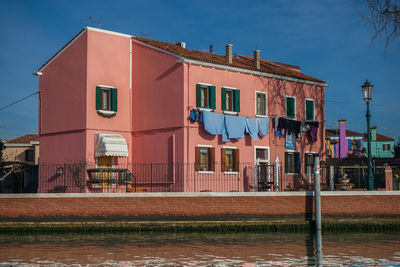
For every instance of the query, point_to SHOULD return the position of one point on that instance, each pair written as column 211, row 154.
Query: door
column 104, row 176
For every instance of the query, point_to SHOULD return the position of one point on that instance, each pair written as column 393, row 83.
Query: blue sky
column 327, row 39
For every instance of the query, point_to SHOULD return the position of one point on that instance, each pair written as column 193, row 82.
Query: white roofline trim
column 19, row 144
column 259, row 73
column 159, row 49
column 109, row 32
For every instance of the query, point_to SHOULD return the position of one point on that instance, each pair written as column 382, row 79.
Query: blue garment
column 263, row 126
column 213, row 122
column 193, row 115
column 235, row 126
column 252, row 128
column 290, row 141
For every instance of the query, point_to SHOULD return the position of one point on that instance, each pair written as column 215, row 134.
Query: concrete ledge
column 202, row 194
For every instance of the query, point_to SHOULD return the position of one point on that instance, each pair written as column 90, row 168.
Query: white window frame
column 266, row 104
column 255, row 154
column 305, row 109
column 308, row 152
column 383, row 148
column 206, row 85
column 295, row 107
column 205, row 172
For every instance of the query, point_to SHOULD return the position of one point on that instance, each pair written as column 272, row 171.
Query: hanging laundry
column 290, row 141
column 313, row 132
column 235, row 126
column 252, row 128
column 194, row 116
column 263, row 126
column 213, row 122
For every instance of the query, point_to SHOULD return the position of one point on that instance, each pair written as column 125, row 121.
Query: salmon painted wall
column 62, row 105
column 62, row 90
column 108, row 64
column 157, row 106
column 248, row 84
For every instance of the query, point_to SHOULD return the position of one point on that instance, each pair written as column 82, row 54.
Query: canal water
column 199, row 249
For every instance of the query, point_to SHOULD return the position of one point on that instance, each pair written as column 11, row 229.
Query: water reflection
column 200, row 249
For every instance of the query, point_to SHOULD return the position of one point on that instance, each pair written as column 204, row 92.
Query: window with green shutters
column 106, row 101
column 309, row 161
column 309, row 109
column 290, row 107
column 230, row 99
column 292, row 162
column 205, row 96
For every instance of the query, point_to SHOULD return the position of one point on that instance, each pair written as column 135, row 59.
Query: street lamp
column 367, row 94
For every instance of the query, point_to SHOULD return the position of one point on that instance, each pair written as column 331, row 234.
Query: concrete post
column 276, row 175
column 388, row 178
column 331, row 178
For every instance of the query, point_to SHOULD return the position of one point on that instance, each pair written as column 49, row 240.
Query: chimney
column 343, row 143
column 257, row 59
column 181, row 44
column 373, row 133
column 211, row 49
column 228, row 53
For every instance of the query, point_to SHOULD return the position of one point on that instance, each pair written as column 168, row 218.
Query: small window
column 292, row 162
column 230, row 99
column 309, row 110
column 106, row 98
column 386, row 147
column 205, row 96
column 261, row 154
column 261, row 104
column 230, row 160
column 309, row 161
column 29, row 155
column 205, row 159
column 290, row 107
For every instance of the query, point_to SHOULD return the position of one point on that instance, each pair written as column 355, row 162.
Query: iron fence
column 180, row 177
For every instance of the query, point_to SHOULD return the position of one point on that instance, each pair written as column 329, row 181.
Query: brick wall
column 189, row 206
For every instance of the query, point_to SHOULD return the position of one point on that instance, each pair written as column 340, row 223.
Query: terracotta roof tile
column 336, row 132
column 379, row 137
column 240, row 61
column 25, row 139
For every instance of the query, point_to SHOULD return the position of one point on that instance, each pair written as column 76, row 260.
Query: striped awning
column 110, row 144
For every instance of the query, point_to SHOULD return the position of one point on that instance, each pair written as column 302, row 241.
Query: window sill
column 205, row 109
column 205, row 172
column 292, row 173
column 232, row 172
column 230, row 112
column 106, row 113
column 262, row 116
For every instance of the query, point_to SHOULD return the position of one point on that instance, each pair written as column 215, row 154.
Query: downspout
column 130, row 97
column 187, row 122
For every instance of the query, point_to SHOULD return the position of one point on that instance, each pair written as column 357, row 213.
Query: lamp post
column 367, row 94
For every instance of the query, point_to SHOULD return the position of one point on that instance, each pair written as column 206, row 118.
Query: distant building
column 22, row 149
column 381, row 146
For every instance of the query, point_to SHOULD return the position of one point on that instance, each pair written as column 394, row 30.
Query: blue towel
column 263, row 126
column 252, row 128
column 213, row 122
column 290, row 141
column 235, row 126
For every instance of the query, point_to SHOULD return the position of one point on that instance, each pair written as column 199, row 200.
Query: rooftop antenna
column 143, row 34
column 96, row 22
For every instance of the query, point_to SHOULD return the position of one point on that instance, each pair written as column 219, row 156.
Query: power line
column 19, row 100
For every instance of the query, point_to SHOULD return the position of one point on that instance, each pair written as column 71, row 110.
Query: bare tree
column 384, row 15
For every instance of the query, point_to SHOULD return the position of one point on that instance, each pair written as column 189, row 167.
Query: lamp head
column 367, row 90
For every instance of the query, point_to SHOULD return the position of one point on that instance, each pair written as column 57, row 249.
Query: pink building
column 109, row 99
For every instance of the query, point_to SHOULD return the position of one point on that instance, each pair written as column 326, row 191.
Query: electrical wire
column 19, row 100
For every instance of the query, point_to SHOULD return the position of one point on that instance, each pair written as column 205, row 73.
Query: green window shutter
column 296, row 162
column 290, row 107
column 98, row 98
column 309, row 110
column 236, row 99
column 306, row 162
column 286, row 162
column 198, row 95
column 114, row 99
column 223, row 99
column 212, row 97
